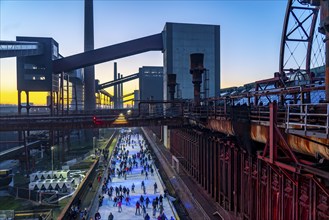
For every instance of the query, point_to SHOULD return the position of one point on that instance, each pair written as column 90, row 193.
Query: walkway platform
column 136, row 178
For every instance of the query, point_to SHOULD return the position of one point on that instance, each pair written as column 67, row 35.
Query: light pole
column 52, row 160
column 94, row 144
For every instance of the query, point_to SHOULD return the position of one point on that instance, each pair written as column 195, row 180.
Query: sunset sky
column 250, row 33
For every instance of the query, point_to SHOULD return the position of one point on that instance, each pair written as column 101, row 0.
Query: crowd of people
column 131, row 159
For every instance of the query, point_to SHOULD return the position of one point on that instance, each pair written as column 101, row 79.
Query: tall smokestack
column 171, row 83
column 196, row 69
column 115, row 86
column 89, row 72
column 118, row 92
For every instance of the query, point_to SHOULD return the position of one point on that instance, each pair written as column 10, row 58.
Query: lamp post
column 94, row 145
column 52, row 160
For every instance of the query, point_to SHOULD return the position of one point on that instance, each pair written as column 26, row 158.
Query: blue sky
column 250, row 32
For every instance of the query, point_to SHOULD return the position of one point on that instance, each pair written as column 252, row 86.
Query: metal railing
column 308, row 119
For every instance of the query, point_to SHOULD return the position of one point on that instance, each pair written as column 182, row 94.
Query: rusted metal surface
column 311, row 146
column 248, row 187
column 224, row 126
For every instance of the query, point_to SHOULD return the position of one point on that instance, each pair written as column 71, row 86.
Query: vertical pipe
column 20, row 135
column 208, row 147
column 229, row 176
column 196, row 69
column 115, row 88
column 51, row 104
column 57, row 103
column 211, row 167
column 27, row 154
column 311, row 195
column 75, row 97
column 242, row 183
column 282, row 181
column 27, row 102
column 121, row 92
column 273, row 147
column 204, row 159
column 220, row 172
column 89, row 72
column 235, row 182
column 62, row 92
column 188, row 153
column 268, row 209
column 216, row 174
column 19, row 102
column 67, row 94
column 199, row 160
column 258, row 199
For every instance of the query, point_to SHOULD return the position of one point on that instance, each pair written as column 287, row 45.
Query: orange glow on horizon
column 11, row 97
column 8, row 97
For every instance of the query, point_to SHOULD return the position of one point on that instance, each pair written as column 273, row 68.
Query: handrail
column 307, row 119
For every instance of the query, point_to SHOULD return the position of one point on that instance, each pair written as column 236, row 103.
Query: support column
column 203, row 162
column 216, row 173
column 165, row 135
column 121, row 93
column 115, row 87
column 235, row 180
column 89, row 72
column 27, row 102
column 62, row 93
column 209, row 168
column 273, row 120
column 67, row 94
column 229, row 176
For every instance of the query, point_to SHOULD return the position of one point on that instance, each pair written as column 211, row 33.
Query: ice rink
column 136, row 178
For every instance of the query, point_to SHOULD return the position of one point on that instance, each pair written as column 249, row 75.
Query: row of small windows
column 153, row 75
column 18, row 47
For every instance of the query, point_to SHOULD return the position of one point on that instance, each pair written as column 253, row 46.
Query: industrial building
column 181, row 40
column 151, row 83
